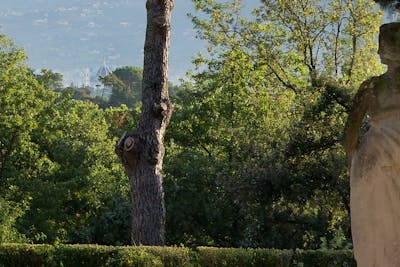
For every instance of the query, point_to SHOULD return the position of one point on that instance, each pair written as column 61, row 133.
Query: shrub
column 29, row 255
column 25, row 255
column 209, row 256
column 325, row 258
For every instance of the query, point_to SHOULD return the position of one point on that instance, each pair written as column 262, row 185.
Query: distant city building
column 99, row 89
column 103, row 70
column 86, row 78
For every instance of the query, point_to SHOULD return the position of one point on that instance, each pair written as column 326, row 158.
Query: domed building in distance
column 100, row 89
column 103, row 70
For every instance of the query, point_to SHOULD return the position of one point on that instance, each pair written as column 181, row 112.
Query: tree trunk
column 142, row 152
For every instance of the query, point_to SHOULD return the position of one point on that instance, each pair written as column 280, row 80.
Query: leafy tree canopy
column 126, row 84
column 257, row 131
column 59, row 178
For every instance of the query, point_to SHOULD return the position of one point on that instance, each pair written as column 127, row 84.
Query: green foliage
column 75, row 199
column 60, row 179
column 134, row 257
column 121, row 119
column 256, row 133
column 126, row 84
column 326, row 258
column 334, row 47
column 22, row 99
column 50, row 79
column 9, row 213
column 18, row 255
column 13, row 255
column 197, row 214
column 244, row 257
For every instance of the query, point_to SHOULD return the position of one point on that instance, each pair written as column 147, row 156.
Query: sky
column 69, row 36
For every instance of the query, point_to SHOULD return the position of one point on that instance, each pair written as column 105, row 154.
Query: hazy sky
column 70, row 35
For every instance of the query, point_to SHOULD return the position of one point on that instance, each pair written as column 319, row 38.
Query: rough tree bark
column 142, row 151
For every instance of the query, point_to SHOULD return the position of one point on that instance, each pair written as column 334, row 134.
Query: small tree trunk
column 142, row 152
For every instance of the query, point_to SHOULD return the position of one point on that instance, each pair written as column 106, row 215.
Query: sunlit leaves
column 265, row 113
column 56, row 161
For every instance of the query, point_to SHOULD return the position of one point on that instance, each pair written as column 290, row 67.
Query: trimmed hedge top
column 28, row 255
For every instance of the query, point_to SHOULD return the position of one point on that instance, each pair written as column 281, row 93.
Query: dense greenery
column 22, row 255
column 126, row 84
column 253, row 155
column 255, row 139
column 60, row 180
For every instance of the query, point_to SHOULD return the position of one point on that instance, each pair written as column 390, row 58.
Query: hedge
column 29, row 255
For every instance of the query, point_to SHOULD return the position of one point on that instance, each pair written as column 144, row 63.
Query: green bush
column 82, row 255
column 173, row 256
column 125, row 257
column 25, row 255
column 209, row 256
column 324, row 258
column 29, row 255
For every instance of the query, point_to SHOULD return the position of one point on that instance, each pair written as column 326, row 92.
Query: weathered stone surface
column 375, row 162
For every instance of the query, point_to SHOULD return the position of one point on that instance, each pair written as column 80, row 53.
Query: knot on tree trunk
column 128, row 148
column 129, row 144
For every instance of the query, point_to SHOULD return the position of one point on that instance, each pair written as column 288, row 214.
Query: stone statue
column 375, row 160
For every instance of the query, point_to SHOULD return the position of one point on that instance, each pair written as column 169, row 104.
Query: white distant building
column 86, row 78
column 99, row 89
column 103, row 70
